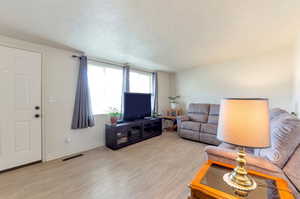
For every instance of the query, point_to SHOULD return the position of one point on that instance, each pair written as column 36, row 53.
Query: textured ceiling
column 156, row 34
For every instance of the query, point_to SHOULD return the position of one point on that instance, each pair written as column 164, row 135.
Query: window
column 140, row 82
column 105, row 83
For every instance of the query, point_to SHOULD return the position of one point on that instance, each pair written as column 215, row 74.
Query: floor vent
column 72, row 157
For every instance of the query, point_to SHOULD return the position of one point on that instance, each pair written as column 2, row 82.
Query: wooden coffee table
column 209, row 184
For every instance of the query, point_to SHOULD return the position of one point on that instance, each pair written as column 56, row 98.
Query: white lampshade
column 245, row 122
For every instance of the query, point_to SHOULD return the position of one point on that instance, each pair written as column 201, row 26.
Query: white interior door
column 20, row 107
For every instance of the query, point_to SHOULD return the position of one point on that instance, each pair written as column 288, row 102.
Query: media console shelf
column 127, row 133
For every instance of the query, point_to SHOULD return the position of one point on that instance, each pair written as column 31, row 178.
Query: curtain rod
column 113, row 63
column 102, row 61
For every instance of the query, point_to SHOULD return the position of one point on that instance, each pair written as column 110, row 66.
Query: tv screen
column 137, row 106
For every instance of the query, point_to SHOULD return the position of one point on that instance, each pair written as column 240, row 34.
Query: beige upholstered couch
column 200, row 123
column 282, row 159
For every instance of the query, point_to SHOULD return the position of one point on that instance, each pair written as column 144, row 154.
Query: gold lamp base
column 238, row 178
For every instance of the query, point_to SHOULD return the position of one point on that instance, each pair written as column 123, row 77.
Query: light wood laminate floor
column 158, row 168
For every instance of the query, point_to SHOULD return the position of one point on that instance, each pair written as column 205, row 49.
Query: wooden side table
column 173, row 119
column 209, row 184
column 171, row 114
column 174, row 112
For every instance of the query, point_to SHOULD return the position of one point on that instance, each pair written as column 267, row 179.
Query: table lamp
column 243, row 122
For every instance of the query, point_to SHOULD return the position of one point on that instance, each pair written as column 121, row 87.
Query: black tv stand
column 127, row 133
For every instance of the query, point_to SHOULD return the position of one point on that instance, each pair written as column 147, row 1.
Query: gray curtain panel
column 125, row 87
column 154, row 93
column 82, row 115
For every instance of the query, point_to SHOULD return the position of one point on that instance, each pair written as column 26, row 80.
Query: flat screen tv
column 136, row 106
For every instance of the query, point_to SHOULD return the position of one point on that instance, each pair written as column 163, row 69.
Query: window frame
column 104, row 65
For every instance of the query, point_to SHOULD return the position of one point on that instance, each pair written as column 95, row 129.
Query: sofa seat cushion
column 285, row 137
column 198, row 112
column 213, row 116
column 209, row 128
column 292, row 168
column 190, row 125
column 189, row 134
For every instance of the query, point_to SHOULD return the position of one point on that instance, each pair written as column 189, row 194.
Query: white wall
column 59, row 76
column 61, row 72
column 269, row 75
column 165, row 89
column 296, row 97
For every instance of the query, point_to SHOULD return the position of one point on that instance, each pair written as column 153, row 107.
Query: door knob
column 37, row 115
column 37, row 108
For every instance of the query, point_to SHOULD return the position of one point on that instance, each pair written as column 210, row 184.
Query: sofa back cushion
column 276, row 112
column 285, row 137
column 292, row 168
column 213, row 116
column 198, row 112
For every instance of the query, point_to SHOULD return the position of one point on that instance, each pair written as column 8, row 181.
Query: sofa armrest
column 180, row 119
column 253, row 162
